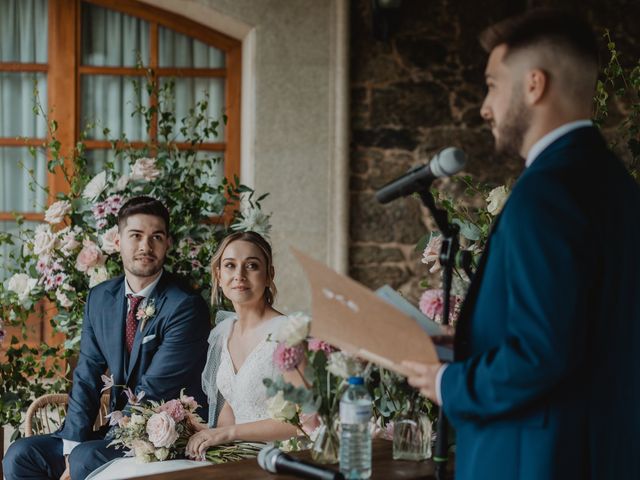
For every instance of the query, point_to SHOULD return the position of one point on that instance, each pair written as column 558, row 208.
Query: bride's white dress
column 242, row 389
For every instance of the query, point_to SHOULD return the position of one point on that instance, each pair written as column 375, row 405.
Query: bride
column 240, row 356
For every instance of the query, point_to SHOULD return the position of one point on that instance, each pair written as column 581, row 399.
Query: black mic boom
column 446, row 163
column 274, row 460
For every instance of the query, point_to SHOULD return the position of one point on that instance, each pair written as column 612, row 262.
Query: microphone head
column 267, row 458
column 447, row 162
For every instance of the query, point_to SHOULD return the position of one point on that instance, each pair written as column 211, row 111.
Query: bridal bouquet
column 158, row 431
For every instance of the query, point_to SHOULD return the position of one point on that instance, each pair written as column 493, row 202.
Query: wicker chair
column 46, row 413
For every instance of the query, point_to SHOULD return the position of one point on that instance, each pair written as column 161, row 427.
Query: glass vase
column 412, row 437
column 326, row 445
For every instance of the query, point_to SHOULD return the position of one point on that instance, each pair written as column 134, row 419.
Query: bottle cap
column 356, row 381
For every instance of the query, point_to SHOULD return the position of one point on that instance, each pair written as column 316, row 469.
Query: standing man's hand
column 423, row 377
column 66, row 475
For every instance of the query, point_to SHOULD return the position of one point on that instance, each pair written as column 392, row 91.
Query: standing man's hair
column 558, row 42
column 143, row 205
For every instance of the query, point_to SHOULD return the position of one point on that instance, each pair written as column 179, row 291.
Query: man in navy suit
column 546, row 384
column 160, row 354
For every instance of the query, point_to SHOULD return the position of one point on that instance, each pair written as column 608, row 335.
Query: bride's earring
column 268, row 296
column 219, row 298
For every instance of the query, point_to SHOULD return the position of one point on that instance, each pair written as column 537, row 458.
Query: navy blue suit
column 546, row 385
column 168, row 355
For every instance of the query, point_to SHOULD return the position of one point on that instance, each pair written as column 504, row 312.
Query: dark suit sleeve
column 84, row 399
column 544, row 244
column 179, row 361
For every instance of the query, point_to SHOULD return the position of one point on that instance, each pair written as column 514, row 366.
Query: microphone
column 446, row 163
column 274, row 460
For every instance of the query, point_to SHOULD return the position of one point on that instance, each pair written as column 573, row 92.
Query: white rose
column 121, row 184
column 342, row 365
column 108, row 240
column 144, row 169
column 280, row 409
column 67, row 241
column 44, row 240
column 97, row 275
column 95, row 186
column 22, row 285
column 57, row 211
column 496, row 199
column 294, row 330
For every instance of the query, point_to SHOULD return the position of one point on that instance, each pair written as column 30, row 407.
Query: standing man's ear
column 536, row 86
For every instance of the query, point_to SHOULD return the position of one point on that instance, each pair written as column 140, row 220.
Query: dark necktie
column 132, row 321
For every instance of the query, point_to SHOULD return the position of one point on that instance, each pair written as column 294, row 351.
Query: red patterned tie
column 132, row 321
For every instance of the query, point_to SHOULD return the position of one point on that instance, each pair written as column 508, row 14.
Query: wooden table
column 384, row 468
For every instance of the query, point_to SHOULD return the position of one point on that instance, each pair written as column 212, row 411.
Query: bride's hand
column 199, row 442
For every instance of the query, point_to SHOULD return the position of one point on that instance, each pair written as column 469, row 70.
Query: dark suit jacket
column 168, row 355
column 547, row 385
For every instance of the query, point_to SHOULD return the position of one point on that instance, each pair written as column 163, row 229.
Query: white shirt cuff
column 441, row 370
column 68, row 445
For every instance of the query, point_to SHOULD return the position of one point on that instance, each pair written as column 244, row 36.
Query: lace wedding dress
column 242, row 389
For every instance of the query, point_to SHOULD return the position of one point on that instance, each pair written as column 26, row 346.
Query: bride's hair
column 259, row 241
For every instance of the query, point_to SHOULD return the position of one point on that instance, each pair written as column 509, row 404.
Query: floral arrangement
column 52, row 265
column 154, row 432
column 323, row 370
column 474, row 225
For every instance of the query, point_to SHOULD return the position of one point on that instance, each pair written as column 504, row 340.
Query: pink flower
column 432, row 253
column 316, row 345
column 99, row 211
column 89, row 257
column 161, row 429
column 133, row 398
column 144, row 169
column 173, row 408
column 188, row 402
column 287, row 358
column 108, row 382
column 113, row 204
column 67, row 241
column 309, row 422
column 432, row 305
column 108, row 240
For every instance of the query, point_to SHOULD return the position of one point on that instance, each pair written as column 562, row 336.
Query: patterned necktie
column 132, row 321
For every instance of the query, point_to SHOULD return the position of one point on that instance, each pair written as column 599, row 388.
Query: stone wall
column 419, row 90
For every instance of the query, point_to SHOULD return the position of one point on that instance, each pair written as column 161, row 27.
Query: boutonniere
column 146, row 312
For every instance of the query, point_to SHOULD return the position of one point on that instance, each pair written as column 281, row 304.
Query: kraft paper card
column 356, row 320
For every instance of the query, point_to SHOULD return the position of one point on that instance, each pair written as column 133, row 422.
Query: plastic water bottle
column 355, row 436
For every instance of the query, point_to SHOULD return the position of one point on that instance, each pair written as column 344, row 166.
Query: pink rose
column 432, row 253
column 108, row 240
column 432, row 305
column 316, row 345
column 89, row 257
column 309, row 422
column 173, row 408
column 161, row 429
column 144, row 169
column 57, row 211
column 287, row 358
column 67, row 241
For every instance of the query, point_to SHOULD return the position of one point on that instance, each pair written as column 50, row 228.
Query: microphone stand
column 448, row 254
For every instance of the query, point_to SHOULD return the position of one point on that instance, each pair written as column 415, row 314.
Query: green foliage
column 620, row 82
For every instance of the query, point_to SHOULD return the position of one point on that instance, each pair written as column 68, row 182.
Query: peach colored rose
column 89, row 257
column 161, row 429
column 144, row 169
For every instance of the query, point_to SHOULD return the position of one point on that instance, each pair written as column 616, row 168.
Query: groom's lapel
column 158, row 297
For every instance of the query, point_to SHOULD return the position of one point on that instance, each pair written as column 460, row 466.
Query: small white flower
column 97, row 275
column 280, row 409
column 496, row 199
column 253, row 220
column 342, row 365
column 137, row 419
column 22, row 285
column 108, row 240
column 57, row 211
column 162, row 453
column 95, row 186
column 294, row 330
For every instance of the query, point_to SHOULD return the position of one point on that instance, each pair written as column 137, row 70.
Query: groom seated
column 159, row 355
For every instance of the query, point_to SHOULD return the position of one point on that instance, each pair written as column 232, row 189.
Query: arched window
column 84, row 56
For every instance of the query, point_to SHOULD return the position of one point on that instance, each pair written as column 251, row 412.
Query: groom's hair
column 143, row 205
